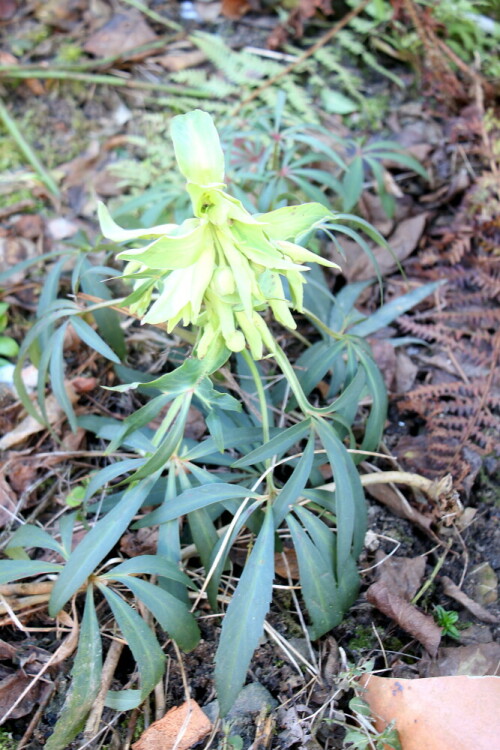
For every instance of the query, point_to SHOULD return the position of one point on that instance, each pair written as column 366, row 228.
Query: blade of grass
column 25, row 148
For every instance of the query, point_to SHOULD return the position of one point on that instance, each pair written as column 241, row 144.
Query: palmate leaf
column 86, row 682
column 92, row 339
column 244, row 621
column 319, row 587
column 97, row 543
column 376, row 387
column 56, row 369
column 145, row 649
column 172, row 614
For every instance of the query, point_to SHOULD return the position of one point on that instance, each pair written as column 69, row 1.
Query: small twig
column 428, row 583
column 25, row 148
column 108, row 672
column 320, row 43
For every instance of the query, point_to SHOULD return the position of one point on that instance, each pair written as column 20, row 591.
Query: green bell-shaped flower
column 221, row 269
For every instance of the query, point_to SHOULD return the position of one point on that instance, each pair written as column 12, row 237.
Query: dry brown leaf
column 438, row 713
column 475, row 660
column 140, row 542
column 181, row 727
column 402, row 575
column 8, row 502
column 123, row 32
column 13, row 250
column 399, row 505
column 11, row 688
column 235, row 9
column 412, row 620
column 402, row 242
column 30, row 426
column 290, row 567
column 451, row 590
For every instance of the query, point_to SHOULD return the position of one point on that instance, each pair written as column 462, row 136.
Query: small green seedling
column 446, row 619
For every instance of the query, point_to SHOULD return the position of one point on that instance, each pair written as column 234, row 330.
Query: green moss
column 363, row 639
column 6, row 741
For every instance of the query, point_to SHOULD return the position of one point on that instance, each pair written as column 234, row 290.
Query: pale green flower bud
column 223, row 282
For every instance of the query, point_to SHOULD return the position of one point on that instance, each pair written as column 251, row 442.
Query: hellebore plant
column 225, row 273
column 218, row 271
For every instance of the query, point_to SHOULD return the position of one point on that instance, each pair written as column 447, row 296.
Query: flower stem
column 263, row 410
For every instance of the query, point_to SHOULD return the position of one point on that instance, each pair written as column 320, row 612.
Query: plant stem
column 10, row 71
column 26, row 149
column 263, row 410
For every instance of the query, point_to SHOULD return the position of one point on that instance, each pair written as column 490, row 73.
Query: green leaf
column 110, row 472
column 86, row 682
column 92, row 339
column 172, row 614
column 8, row 347
column 108, row 321
column 293, row 222
column 139, row 418
column 57, row 375
column 244, row 620
column 375, row 423
column 161, row 456
column 319, row 588
column 393, row 309
column 278, row 445
column 13, row 570
column 352, row 183
column 33, row 536
column 350, row 502
column 295, row 484
column 112, row 231
column 150, row 565
column 193, row 499
column 97, row 543
column 145, row 649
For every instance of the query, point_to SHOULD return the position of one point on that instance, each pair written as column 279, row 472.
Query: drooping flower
column 221, row 269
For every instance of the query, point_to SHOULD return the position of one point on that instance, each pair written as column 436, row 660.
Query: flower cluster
column 222, row 268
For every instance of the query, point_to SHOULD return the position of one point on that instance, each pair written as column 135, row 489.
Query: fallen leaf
column 474, row 660
column 402, row 575
column 412, row 620
column 406, row 372
column 14, row 250
column 437, row 713
column 123, row 32
column 290, row 567
column 402, row 242
column 29, row 226
column 7, row 9
column 140, row 542
column 235, row 9
column 397, row 503
column 451, row 590
column 12, row 686
column 181, row 727
column 8, row 502
column 30, row 426
column 485, row 583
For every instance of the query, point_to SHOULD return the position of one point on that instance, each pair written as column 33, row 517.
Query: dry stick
column 108, row 672
column 320, row 43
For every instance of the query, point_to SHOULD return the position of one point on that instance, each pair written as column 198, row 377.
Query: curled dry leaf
column 181, row 727
column 416, row 623
column 8, row 502
column 451, row 590
column 437, row 713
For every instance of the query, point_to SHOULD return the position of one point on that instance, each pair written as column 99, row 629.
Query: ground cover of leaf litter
column 443, row 395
